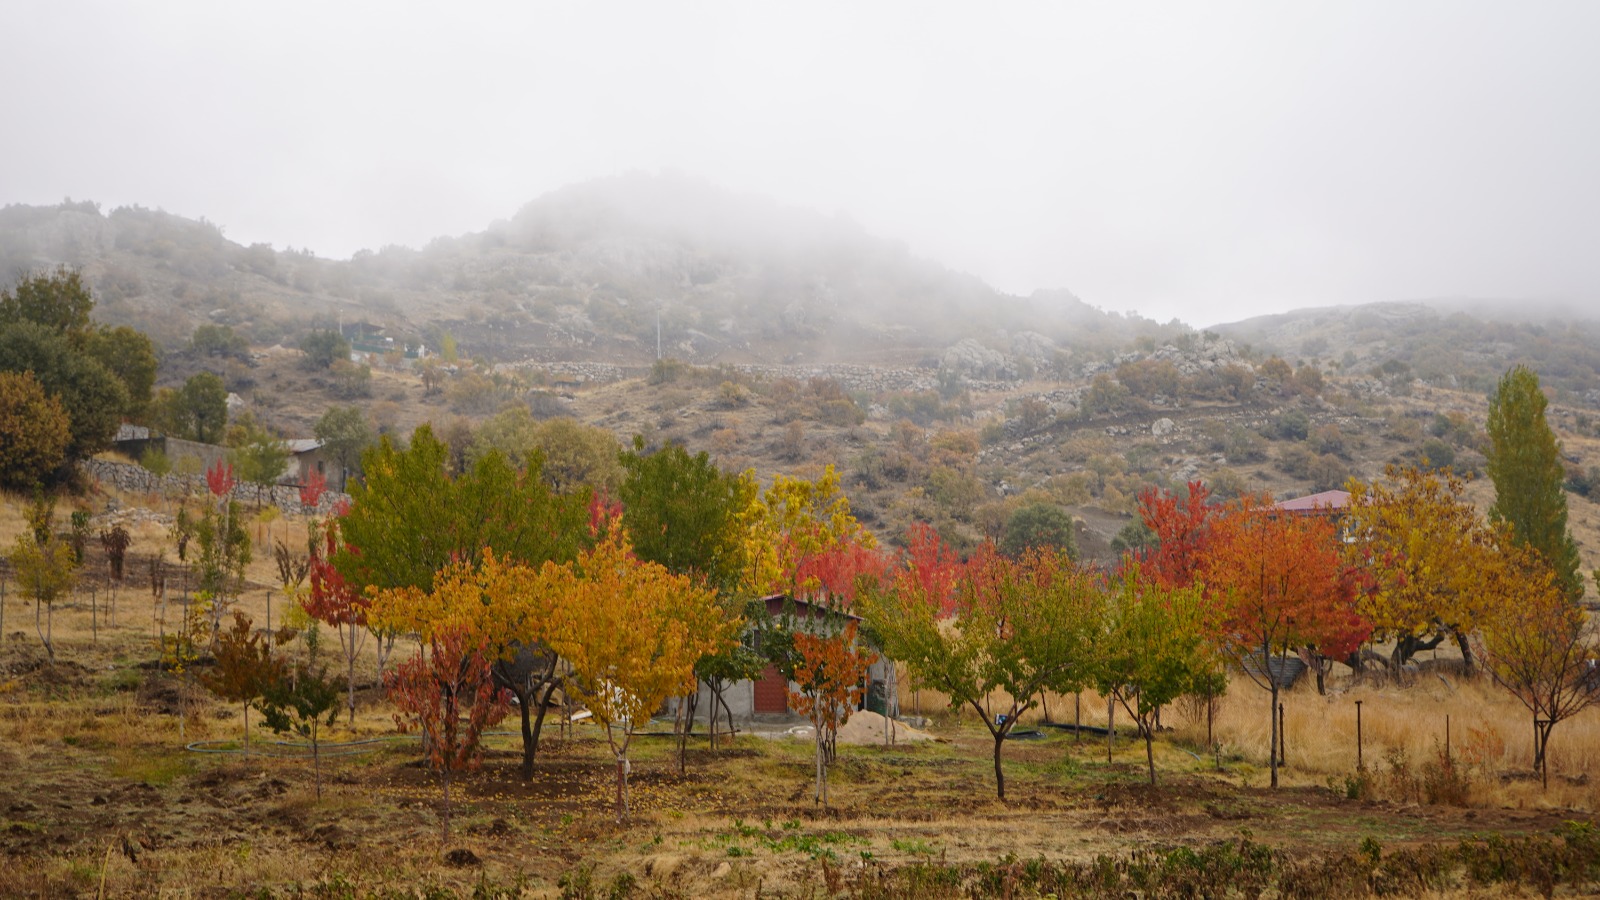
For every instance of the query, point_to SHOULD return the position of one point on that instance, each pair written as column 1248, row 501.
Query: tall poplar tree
column 1524, row 462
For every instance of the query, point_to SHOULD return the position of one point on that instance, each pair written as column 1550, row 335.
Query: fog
column 1199, row 161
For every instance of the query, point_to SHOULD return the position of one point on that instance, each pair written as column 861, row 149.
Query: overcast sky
column 1205, row 161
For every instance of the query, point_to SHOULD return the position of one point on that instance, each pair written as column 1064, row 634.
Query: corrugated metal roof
column 1328, row 500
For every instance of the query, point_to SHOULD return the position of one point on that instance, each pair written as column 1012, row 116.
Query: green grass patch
column 156, row 769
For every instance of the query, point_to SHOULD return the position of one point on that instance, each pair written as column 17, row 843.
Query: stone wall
column 138, row 480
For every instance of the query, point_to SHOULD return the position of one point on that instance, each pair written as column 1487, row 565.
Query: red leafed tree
column 338, row 603
column 830, row 672
column 932, row 569
column 220, row 480
column 311, row 492
column 450, row 696
column 835, row 573
column 1279, row 585
column 1182, row 529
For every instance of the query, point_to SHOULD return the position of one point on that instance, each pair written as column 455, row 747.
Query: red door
column 772, row 692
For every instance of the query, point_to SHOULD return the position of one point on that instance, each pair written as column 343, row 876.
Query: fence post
column 1360, row 765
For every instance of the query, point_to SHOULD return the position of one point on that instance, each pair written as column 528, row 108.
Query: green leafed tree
column 301, row 703
column 409, row 518
column 201, row 412
column 345, row 434
column 258, row 456
column 1153, row 651
column 1039, row 526
column 1000, row 627
column 94, row 397
column 131, row 356
column 1524, row 462
column 323, row 348
column 58, row 301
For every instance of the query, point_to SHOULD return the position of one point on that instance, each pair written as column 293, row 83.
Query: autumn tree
column 829, row 677
column 410, row 519
column 1278, row 584
column 1537, row 649
column 1179, row 525
column 632, row 632
column 245, row 666
column 790, row 522
column 507, row 606
column 1018, row 627
column 337, row 602
column 450, row 697
column 1153, row 650
column 34, row 431
column 1423, row 551
column 1524, row 461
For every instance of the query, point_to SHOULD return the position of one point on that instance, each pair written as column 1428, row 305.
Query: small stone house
column 767, row 696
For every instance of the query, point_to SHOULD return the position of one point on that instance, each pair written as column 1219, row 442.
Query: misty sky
column 1205, row 161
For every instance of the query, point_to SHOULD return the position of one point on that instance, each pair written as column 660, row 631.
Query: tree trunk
column 350, row 656
column 1272, row 713
column 1467, row 663
column 246, row 706
column 38, row 628
column 999, row 773
column 622, row 791
column 1111, row 727
column 727, row 711
column 524, row 701
column 532, row 748
column 1149, row 749
column 822, row 771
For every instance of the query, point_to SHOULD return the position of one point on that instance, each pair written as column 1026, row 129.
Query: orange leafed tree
column 632, row 632
column 830, row 673
column 1278, row 584
column 1181, row 525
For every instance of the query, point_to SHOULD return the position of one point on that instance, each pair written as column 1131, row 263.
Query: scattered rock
column 721, row 871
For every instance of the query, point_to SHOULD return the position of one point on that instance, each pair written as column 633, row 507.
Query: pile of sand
column 867, row 727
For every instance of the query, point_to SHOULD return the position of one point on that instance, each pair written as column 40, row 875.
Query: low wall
column 139, row 480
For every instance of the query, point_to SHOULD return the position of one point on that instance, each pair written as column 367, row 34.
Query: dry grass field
column 106, row 794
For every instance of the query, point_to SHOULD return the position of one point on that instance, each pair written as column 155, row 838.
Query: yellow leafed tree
column 1427, row 553
column 792, row 521
column 632, row 632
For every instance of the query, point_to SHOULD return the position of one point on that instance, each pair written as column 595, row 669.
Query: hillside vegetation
column 794, row 340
